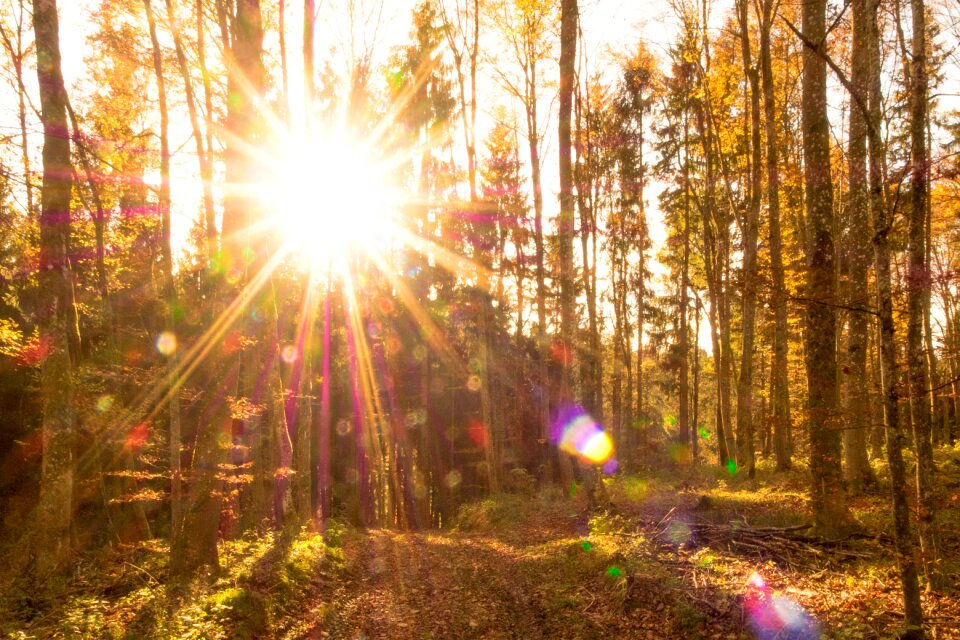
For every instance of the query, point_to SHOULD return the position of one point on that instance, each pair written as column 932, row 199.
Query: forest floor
column 676, row 553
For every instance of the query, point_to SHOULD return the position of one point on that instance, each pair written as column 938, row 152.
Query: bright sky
column 609, row 26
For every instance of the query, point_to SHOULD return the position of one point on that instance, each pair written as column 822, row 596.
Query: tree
column 829, row 501
column 194, row 552
column 13, row 43
column 780, row 388
column 166, row 249
column 526, row 29
column 857, row 466
column 568, row 322
column 57, row 323
column 461, row 24
column 750, row 225
column 918, row 282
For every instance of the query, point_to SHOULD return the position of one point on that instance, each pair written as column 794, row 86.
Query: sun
column 329, row 198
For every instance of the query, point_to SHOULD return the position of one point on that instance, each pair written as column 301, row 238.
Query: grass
column 120, row 596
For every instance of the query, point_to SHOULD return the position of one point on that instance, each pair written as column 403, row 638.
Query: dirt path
column 538, row 581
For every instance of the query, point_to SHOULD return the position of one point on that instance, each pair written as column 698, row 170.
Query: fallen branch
column 782, row 544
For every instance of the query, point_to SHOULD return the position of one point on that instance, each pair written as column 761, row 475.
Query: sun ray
column 148, row 405
column 432, row 333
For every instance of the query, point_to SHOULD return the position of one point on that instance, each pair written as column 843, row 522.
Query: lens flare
column 756, row 581
column 453, row 479
column 579, row 434
column 776, row 616
column 166, row 343
column 289, row 354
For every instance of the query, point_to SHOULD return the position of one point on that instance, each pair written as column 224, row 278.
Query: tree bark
column 858, row 472
column 166, row 260
column 882, row 223
column 56, row 306
column 780, row 400
column 831, row 514
column 751, row 228
column 568, row 320
column 918, row 282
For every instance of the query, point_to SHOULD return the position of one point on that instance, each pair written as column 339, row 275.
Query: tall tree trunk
column 568, row 320
column 829, row 502
column 882, row 223
column 166, row 252
column 204, row 155
column 641, row 422
column 591, row 381
column 198, row 550
column 715, row 240
column 780, row 400
column 751, row 228
column 858, row 472
column 56, row 306
column 683, row 414
column 206, row 168
column 695, row 433
column 533, row 143
column 918, row 281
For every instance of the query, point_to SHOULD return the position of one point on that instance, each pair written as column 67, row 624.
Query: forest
column 479, row 319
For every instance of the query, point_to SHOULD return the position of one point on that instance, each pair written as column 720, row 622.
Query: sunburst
column 329, row 196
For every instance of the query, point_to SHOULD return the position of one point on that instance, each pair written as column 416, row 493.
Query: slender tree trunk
column 590, row 369
column 715, row 232
column 696, row 379
column 204, row 155
column 55, row 507
column 14, row 47
column 751, row 228
column 166, row 251
column 684, row 412
column 206, row 167
column 568, row 320
column 858, row 472
column 780, row 400
column 918, row 281
column 641, row 421
column 324, row 478
column 533, row 143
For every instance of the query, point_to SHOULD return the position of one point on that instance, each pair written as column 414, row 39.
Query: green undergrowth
column 266, row 579
column 598, row 574
column 495, row 513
